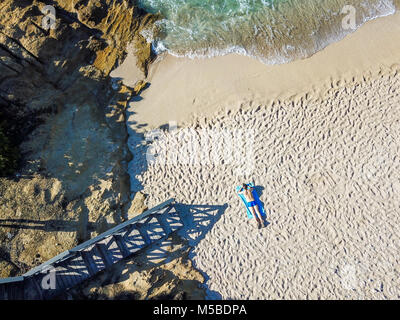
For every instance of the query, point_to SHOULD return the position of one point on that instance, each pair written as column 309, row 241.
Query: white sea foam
column 278, row 47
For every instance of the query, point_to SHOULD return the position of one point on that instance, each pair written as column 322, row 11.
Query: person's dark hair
column 244, row 186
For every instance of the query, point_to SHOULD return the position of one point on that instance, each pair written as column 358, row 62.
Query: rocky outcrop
column 40, row 68
column 8, row 152
column 156, row 273
column 66, row 115
column 137, row 205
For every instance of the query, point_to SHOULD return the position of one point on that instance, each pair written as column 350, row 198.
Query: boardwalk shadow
column 197, row 220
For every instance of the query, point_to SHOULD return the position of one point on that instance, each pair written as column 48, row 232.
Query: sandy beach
column 320, row 137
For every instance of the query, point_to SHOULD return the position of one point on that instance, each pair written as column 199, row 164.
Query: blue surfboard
column 256, row 198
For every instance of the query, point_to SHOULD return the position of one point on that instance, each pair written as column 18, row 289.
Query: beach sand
column 323, row 140
column 180, row 88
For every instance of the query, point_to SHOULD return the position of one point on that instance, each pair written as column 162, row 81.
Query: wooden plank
column 98, row 262
column 170, row 220
column 59, row 285
column 121, row 226
column 9, row 288
column 70, row 274
column 104, row 254
column 36, row 281
column 174, row 220
column 134, row 240
column 121, row 245
column 106, row 250
column 79, row 268
column 62, row 282
column 89, row 262
column 62, row 276
column 113, row 251
column 9, row 291
column 154, row 229
column 19, row 290
column 2, row 291
column 143, row 233
column 11, row 279
column 15, row 290
column 5, row 291
column 33, row 290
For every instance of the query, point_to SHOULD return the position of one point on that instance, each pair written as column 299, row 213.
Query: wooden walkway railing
column 71, row 267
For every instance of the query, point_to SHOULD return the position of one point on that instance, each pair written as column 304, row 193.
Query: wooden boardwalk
column 72, row 267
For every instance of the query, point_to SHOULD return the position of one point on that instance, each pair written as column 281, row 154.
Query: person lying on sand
column 251, row 203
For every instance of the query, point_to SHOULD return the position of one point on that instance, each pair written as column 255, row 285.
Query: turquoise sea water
column 275, row 31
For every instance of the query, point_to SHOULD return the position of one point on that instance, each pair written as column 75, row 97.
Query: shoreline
column 181, row 88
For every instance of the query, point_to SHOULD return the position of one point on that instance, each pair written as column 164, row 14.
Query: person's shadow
column 259, row 190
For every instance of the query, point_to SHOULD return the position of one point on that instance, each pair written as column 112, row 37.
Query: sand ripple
column 329, row 176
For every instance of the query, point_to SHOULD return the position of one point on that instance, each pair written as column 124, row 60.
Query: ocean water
column 274, row 31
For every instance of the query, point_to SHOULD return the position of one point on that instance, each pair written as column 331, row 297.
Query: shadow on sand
column 197, row 220
column 52, row 225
